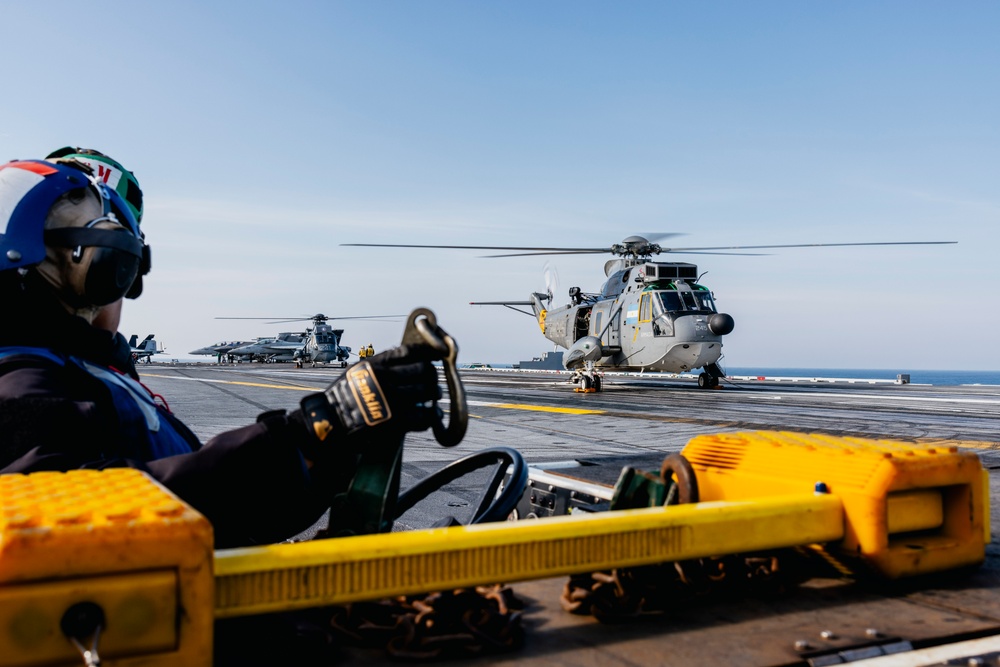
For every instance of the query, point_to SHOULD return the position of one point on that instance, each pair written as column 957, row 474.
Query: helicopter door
column 614, row 332
column 582, row 323
column 645, row 308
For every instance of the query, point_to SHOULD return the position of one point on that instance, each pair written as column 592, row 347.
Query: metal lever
column 422, row 329
column 81, row 622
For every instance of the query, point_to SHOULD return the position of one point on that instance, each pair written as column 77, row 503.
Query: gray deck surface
column 648, row 418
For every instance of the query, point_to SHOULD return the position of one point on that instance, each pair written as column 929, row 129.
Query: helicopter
column 648, row 316
column 321, row 343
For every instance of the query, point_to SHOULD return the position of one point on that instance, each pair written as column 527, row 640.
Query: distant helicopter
column 321, row 343
column 648, row 316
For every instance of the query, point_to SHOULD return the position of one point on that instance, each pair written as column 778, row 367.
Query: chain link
column 618, row 595
column 450, row 624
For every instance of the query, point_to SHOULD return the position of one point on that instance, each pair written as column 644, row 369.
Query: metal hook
column 422, row 329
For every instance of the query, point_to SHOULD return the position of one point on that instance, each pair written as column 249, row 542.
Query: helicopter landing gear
column 709, row 378
column 588, row 381
column 298, row 363
column 343, row 364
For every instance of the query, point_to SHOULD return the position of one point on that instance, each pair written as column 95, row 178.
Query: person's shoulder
column 33, row 372
column 16, row 356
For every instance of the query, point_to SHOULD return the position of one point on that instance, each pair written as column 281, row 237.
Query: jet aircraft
column 286, row 346
column 321, row 343
column 143, row 352
column 222, row 347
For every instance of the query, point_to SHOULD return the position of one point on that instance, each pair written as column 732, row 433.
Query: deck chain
column 451, row 624
column 617, row 595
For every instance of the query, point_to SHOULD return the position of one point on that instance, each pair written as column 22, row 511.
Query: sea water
column 916, row 376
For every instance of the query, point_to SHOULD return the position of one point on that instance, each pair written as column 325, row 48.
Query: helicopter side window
column 645, row 308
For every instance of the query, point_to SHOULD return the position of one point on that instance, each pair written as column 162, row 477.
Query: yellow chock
column 909, row 508
column 110, row 540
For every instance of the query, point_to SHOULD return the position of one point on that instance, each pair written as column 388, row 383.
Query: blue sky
column 266, row 134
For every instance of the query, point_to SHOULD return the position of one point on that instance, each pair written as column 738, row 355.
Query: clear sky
column 265, row 134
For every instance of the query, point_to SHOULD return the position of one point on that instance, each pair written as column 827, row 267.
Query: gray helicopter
column 321, row 343
column 648, row 316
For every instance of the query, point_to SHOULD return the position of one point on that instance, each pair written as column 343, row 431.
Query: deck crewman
column 70, row 250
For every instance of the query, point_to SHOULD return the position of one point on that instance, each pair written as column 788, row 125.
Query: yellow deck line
column 968, row 444
column 244, row 384
column 540, row 408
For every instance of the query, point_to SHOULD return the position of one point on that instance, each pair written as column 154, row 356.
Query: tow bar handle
column 422, row 329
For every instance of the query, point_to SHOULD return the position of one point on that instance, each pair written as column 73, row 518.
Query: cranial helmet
column 107, row 170
column 75, row 231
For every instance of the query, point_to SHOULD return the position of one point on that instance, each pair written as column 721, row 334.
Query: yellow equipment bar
column 284, row 577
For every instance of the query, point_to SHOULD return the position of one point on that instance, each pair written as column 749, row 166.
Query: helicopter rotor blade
column 692, row 252
column 551, row 276
column 474, row 247
column 805, row 245
column 314, row 318
column 602, row 251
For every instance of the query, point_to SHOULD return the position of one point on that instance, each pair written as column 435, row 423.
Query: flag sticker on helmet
column 17, row 180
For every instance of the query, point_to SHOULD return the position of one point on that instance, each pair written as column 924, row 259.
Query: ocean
column 941, row 378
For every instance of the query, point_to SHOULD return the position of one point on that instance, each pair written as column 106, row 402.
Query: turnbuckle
column 422, row 329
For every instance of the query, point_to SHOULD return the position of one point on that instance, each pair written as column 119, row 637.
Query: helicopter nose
column 721, row 324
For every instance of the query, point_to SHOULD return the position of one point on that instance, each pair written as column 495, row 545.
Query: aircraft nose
column 721, row 324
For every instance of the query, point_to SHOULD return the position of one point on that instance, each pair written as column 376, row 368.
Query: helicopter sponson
column 586, row 349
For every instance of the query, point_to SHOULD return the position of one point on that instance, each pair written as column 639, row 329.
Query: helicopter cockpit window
column 690, row 302
column 670, row 301
column 707, row 302
column 698, row 301
column 663, row 325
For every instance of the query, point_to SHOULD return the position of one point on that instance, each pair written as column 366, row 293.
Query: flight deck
column 827, row 619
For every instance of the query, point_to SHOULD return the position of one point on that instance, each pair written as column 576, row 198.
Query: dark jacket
column 251, row 483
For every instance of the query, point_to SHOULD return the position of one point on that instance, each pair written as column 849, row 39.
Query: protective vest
column 142, row 422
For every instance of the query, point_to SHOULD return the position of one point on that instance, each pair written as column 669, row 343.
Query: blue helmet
column 29, row 188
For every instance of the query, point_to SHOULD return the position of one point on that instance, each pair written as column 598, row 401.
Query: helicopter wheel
column 704, row 380
column 598, row 383
column 586, row 385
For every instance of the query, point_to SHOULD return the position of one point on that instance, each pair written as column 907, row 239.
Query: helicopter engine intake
column 721, row 324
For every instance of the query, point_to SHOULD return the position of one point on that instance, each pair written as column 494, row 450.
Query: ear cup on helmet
column 92, row 258
column 109, row 276
column 135, row 291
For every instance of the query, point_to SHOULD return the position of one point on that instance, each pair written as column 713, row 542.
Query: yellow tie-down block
column 115, row 539
column 909, row 508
